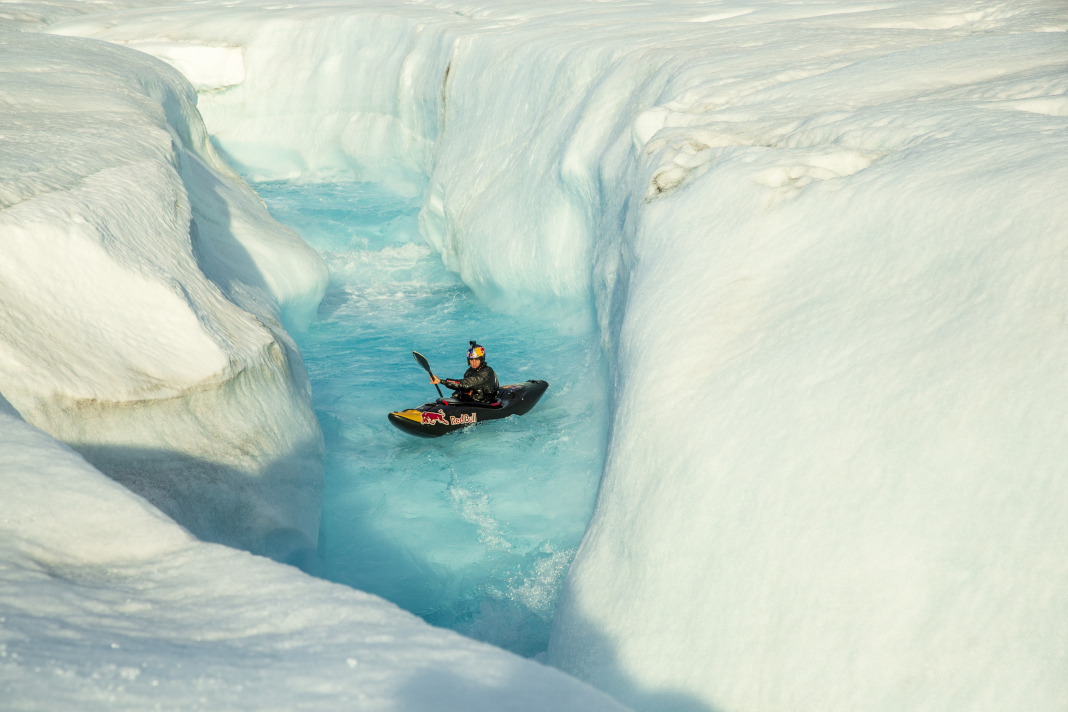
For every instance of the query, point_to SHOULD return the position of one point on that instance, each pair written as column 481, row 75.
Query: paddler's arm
column 448, row 382
column 478, row 380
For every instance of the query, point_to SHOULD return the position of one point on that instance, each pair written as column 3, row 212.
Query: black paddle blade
column 421, row 360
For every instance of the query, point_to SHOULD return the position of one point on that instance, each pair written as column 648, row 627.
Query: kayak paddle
column 421, row 360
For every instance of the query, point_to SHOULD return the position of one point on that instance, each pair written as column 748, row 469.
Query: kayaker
column 479, row 382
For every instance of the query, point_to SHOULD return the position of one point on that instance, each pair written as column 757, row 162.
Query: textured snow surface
column 106, row 604
column 825, row 246
column 141, row 282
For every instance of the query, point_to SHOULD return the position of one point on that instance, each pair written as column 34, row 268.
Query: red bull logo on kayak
column 440, row 418
column 435, row 418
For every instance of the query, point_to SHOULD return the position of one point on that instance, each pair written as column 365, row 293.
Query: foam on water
column 473, row 531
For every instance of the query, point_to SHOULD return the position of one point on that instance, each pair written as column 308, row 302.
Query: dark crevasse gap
column 473, row 531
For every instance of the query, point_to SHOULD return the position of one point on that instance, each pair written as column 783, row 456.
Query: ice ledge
column 207, row 66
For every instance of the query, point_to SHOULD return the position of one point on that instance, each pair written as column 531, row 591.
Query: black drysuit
column 481, row 382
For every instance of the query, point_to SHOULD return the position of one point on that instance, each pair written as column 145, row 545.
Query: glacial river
column 473, row 531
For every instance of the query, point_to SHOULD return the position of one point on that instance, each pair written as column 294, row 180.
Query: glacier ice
column 824, row 247
column 144, row 288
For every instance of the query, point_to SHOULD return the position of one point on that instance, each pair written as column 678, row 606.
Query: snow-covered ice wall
column 143, row 286
column 824, row 243
column 106, row 604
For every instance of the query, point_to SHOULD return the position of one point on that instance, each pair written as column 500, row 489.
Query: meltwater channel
column 472, row 531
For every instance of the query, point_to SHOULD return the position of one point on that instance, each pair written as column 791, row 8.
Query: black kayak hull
column 445, row 415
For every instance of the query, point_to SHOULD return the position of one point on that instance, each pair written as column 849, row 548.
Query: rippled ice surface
column 472, row 531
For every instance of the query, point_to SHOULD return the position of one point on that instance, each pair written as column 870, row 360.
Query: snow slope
column 143, row 287
column 824, row 244
column 112, row 606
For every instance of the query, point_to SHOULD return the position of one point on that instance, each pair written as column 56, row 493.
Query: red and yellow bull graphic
column 435, row 418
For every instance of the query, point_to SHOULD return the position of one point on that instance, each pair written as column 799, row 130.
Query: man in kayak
column 479, row 382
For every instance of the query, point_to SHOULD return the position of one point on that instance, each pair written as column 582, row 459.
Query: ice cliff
column 144, row 288
column 824, row 245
